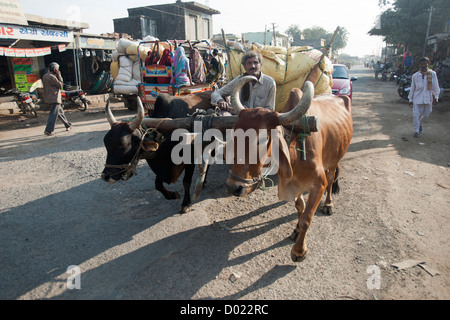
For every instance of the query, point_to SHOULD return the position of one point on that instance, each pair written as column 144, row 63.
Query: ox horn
column 139, row 117
column 235, row 99
column 111, row 119
column 302, row 106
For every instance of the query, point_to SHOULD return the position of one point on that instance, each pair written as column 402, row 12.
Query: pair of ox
column 318, row 173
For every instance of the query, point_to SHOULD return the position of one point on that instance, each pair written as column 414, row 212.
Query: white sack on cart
column 125, row 70
column 123, row 44
column 136, row 71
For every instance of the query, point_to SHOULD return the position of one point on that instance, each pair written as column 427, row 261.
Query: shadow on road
column 95, row 231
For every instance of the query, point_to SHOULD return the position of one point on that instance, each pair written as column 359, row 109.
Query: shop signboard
column 11, row 12
column 86, row 42
column 34, row 33
column 25, row 73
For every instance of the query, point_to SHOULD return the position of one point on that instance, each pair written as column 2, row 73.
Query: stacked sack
column 289, row 68
column 125, row 67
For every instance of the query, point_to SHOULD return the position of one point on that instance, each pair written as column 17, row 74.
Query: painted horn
column 302, row 106
column 235, row 99
column 136, row 123
column 111, row 119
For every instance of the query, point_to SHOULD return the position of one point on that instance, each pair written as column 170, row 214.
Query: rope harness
column 255, row 182
column 301, row 136
column 129, row 169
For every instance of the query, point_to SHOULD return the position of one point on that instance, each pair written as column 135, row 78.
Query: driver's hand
column 223, row 105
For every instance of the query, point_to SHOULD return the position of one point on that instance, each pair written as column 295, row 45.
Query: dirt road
column 130, row 243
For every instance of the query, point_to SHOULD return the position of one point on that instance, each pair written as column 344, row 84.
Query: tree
column 295, row 32
column 317, row 32
column 405, row 22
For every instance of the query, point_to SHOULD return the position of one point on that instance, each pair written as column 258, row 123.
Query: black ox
column 127, row 142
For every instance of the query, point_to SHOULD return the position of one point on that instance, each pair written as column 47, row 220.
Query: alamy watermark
column 238, row 146
column 74, row 280
column 374, row 280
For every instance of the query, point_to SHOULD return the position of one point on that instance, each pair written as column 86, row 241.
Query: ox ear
column 285, row 162
column 150, row 146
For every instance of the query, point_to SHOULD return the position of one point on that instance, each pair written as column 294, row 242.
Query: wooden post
column 228, row 53
column 325, row 53
column 167, row 125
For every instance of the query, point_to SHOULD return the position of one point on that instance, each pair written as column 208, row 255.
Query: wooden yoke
column 168, row 125
column 313, row 73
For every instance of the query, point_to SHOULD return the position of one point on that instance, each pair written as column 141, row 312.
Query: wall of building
column 198, row 25
column 129, row 25
column 170, row 20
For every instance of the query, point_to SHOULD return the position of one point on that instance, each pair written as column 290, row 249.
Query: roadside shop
column 26, row 49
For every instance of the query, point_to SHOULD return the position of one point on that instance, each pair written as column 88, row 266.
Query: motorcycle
column 393, row 76
column 404, row 86
column 384, row 74
column 24, row 101
column 75, row 98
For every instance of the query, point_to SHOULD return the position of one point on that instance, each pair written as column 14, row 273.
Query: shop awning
column 35, row 33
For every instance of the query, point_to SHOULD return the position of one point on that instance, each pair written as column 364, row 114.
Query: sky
column 237, row 16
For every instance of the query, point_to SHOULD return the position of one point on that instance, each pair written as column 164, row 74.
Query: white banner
column 33, row 33
column 15, row 52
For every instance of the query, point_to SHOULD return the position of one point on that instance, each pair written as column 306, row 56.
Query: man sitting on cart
column 253, row 95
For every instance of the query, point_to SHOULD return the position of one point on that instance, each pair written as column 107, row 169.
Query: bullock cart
column 303, row 126
column 156, row 78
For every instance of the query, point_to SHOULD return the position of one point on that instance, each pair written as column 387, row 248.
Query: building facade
column 27, row 49
column 179, row 20
column 267, row 38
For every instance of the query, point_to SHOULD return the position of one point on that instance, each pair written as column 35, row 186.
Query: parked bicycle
column 23, row 100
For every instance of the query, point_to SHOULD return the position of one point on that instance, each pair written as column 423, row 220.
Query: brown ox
column 324, row 150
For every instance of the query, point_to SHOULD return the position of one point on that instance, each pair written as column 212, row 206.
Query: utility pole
column 274, row 35
column 428, row 31
column 265, row 33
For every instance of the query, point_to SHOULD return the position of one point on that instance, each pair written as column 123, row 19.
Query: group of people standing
column 188, row 71
column 259, row 94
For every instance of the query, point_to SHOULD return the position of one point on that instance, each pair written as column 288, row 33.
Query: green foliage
column 405, row 21
column 317, row 32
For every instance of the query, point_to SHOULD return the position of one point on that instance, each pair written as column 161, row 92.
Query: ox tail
column 335, row 187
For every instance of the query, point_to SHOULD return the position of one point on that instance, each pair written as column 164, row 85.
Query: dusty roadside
column 130, row 243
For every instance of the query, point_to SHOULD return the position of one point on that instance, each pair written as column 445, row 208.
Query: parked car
column 342, row 83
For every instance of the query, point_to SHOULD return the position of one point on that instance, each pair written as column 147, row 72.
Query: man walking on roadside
column 377, row 68
column 423, row 94
column 53, row 83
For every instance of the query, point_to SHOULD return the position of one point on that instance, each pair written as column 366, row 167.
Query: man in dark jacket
column 53, row 83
